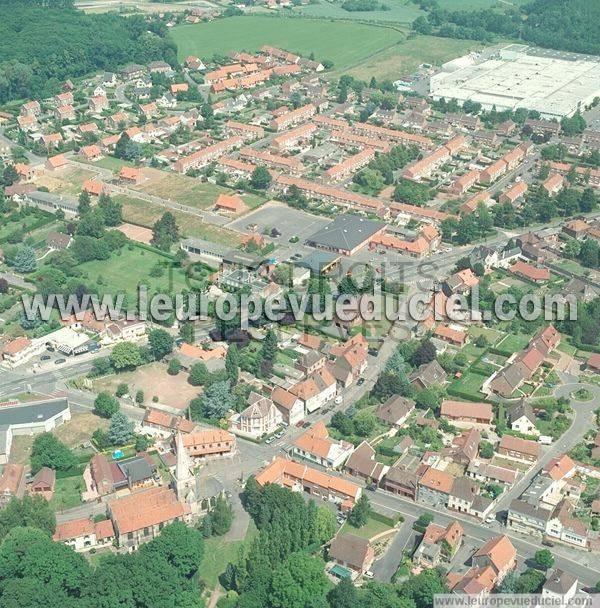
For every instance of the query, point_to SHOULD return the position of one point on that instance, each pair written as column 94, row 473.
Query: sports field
column 345, row 43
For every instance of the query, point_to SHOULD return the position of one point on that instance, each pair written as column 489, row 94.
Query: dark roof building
column 346, row 234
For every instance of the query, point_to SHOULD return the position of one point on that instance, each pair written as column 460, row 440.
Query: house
column 194, row 63
column 84, row 534
column 208, row 443
column 353, row 552
column 362, row 463
column 316, row 446
column 43, row 483
column 399, row 480
column 395, row 411
column 466, row 412
column 310, row 362
column 12, row 483
column 530, row 272
column 179, row 88
column 166, row 424
column 349, row 366
column 65, row 112
column 518, row 449
column 438, row 544
column 462, row 495
column 301, row 477
column 521, row 418
column 434, row 487
column 460, row 282
column 98, row 103
column 526, row 517
column 317, row 390
column 566, row 528
column 231, row 203
column 56, row 162
column 553, row 184
column 25, row 172
column 428, row 375
column 593, row 363
column 139, row 517
column 19, row 351
column 456, row 337
column 130, row 175
column 514, row 193
column 464, row 447
column 92, row 187
column 560, row 588
column 500, row 554
column 261, row 417
column 290, row 406
column 92, row 152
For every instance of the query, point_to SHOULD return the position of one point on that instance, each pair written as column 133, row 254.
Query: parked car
column 59, row 361
column 369, row 574
column 269, row 440
column 45, row 358
column 360, row 381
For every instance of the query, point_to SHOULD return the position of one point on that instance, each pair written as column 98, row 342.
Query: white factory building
column 554, row 83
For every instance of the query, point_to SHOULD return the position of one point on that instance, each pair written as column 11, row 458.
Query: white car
column 369, row 574
column 338, row 400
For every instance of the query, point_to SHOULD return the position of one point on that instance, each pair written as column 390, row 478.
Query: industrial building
column 554, row 83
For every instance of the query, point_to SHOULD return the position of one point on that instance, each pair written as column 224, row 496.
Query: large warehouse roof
column 516, row 76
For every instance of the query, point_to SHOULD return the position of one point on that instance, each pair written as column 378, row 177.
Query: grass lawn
column 470, row 383
column 512, row 343
column 12, row 223
column 346, row 44
column 491, row 335
column 465, row 5
column 370, row 529
column 112, row 163
column 404, row 58
column 123, row 273
column 67, row 493
column 218, row 552
column 144, row 213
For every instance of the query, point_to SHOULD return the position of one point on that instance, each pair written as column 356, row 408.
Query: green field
column 403, row 59
column 401, row 12
column 344, row 43
column 470, row 384
column 128, row 268
column 370, row 529
column 67, row 493
column 512, row 343
column 464, row 5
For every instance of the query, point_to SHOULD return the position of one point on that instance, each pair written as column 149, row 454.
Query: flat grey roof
column 37, row 411
column 345, row 232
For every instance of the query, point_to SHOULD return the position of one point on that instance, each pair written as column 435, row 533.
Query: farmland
column 347, row 44
column 400, row 11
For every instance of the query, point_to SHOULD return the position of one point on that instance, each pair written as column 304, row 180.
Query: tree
column 105, row 405
column 165, row 232
column 125, row 356
column 160, row 343
column 110, row 210
column 25, row 260
column 222, row 516
column 232, row 363
column 48, row 451
column 85, row 203
column 509, row 583
column 174, row 367
column 3, row 285
column 139, row 397
column 198, row 374
column 364, row 423
column 261, row 178
column 187, row 333
column 343, row 595
column 486, row 449
column 425, row 353
column 31, row 511
column 120, row 430
column 530, row 581
column 217, row 400
column 325, row 524
column 269, row 349
column 423, row 587
column 544, row 559
column 297, row 580
column 360, row 512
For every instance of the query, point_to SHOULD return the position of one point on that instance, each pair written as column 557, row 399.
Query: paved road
column 385, row 567
column 582, row 421
column 581, row 563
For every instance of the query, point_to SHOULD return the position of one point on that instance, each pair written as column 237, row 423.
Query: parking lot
column 289, row 222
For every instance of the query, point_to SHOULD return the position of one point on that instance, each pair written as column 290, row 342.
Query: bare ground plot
column 73, row 433
column 154, row 381
column 145, row 213
column 68, row 180
column 290, row 222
